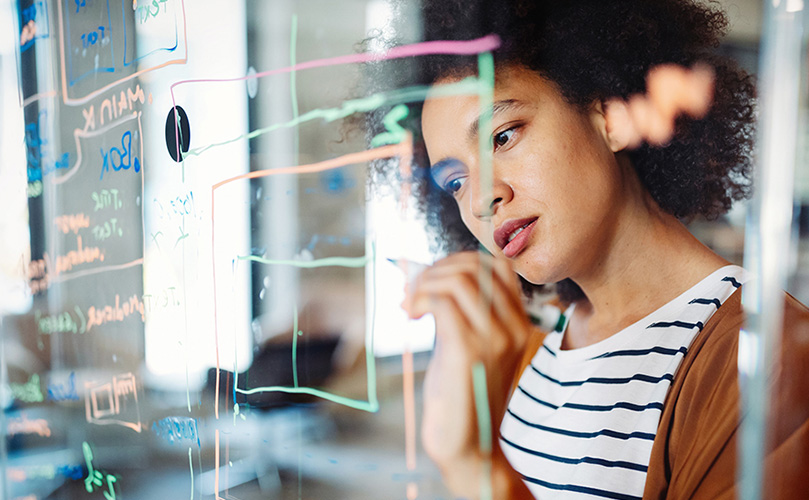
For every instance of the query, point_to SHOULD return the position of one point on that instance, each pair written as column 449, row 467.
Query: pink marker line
column 450, row 47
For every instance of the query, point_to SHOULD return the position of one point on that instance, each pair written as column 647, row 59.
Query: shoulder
column 694, row 454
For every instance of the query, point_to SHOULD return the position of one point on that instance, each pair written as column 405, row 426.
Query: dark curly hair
column 596, row 50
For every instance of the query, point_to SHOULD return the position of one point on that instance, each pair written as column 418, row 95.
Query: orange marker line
column 340, row 161
column 216, row 465
column 410, row 409
column 37, row 97
column 88, row 272
column 406, row 172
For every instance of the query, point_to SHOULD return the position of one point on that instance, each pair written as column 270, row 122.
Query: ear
column 618, row 128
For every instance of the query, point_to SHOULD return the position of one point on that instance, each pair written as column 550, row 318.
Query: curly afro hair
column 596, row 50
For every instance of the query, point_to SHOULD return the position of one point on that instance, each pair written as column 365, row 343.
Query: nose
column 485, row 205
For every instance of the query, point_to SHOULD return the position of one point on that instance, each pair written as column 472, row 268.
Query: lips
column 512, row 235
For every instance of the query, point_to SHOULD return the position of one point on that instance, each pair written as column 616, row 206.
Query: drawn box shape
column 89, row 41
column 38, row 13
column 125, row 387
column 404, row 152
column 156, row 23
column 97, row 399
column 121, row 396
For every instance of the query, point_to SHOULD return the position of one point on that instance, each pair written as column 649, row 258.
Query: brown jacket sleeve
column 694, row 454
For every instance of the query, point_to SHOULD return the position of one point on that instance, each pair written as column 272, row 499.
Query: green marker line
column 395, row 133
column 191, row 466
column 294, row 345
column 482, row 407
column 372, row 404
column 293, row 83
column 486, row 93
column 355, row 262
column 300, row 456
column 370, row 360
column 351, row 403
column 484, row 427
column 485, row 145
column 469, row 85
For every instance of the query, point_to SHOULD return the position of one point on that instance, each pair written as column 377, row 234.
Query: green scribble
column 154, row 238
column 80, row 314
column 95, row 478
column 395, row 132
column 469, row 85
column 355, row 262
column 183, row 234
column 29, row 392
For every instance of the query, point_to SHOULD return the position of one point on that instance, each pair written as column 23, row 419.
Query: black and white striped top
column 582, row 421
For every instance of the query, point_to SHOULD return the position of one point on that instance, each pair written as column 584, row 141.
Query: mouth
column 512, row 236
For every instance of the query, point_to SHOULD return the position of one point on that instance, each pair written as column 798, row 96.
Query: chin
column 537, row 271
column 534, row 277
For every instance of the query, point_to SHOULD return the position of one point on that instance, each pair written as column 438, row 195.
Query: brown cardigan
column 694, row 452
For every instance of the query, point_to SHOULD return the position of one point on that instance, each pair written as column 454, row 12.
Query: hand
column 469, row 331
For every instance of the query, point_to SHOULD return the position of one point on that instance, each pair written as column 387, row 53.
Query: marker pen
column 544, row 315
column 411, row 269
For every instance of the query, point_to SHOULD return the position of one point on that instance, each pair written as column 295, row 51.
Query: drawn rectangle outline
column 371, row 404
column 167, row 49
column 97, row 413
column 91, row 405
column 70, row 53
column 84, row 99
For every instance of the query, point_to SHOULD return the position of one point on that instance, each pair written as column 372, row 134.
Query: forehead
column 512, row 83
column 456, row 115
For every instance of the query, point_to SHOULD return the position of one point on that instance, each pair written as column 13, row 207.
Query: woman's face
column 557, row 186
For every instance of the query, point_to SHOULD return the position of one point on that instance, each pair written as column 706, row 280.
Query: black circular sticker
column 178, row 131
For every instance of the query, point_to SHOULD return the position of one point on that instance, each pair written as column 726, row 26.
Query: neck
column 652, row 258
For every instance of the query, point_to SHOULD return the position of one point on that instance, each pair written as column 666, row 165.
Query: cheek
column 483, row 232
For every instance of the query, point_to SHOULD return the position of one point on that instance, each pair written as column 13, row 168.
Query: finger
column 467, row 270
column 479, row 265
column 502, row 320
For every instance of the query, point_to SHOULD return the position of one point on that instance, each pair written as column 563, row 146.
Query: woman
column 619, row 404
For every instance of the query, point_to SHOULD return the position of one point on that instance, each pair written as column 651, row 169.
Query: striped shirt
column 581, row 422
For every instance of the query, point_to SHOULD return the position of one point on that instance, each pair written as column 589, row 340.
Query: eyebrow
column 497, row 108
column 443, row 163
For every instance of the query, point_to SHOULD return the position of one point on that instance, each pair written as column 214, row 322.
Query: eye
column 454, row 185
column 502, row 138
column 450, row 175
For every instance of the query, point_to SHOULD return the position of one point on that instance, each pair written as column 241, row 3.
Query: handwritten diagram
column 132, row 249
